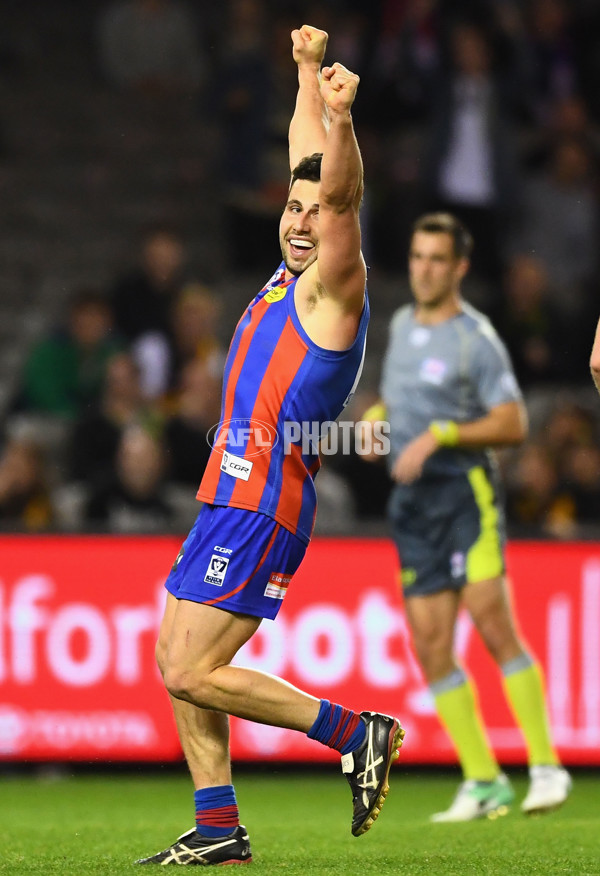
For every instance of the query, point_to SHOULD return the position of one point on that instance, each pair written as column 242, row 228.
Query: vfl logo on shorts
column 217, row 569
column 277, row 585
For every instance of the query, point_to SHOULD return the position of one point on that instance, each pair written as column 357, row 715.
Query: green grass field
column 299, row 823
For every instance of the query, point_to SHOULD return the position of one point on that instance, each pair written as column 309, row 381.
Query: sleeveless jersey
column 279, row 389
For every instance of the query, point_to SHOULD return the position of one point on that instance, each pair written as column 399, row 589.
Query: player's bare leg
column 210, row 638
column 485, row 790
column 203, row 642
column 489, row 603
column 203, row 734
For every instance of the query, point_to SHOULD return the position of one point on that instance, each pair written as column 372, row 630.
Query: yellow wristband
column 445, row 432
column 375, row 412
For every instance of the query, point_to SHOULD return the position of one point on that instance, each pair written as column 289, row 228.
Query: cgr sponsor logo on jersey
column 277, row 585
column 236, row 466
column 217, row 569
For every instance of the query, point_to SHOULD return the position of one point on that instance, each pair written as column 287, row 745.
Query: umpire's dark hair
column 446, row 223
column 308, row 168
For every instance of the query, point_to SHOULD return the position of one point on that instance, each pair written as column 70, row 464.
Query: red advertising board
column 78, row 622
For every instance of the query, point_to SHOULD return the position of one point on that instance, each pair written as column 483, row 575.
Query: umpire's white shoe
column 478, row 800
column 549, row 787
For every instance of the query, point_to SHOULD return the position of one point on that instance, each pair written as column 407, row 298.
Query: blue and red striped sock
column 338, row 728
column 216, row 810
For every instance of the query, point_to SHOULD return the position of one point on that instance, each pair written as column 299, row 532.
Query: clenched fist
column 309, row 44
column 338, row 87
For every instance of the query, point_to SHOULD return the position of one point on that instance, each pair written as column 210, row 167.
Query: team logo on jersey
column 276, row 294
column 433, row 371
column 277, row 585
column 217, row 569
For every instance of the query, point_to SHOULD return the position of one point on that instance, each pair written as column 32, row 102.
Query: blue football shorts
column 237, row 560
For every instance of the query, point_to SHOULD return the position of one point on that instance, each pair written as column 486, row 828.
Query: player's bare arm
column 330, row 292
column 310, row 121
column 503, row 426
column 341, row 268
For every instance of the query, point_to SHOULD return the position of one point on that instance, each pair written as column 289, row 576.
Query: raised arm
column 341, row 266
column 310, row 122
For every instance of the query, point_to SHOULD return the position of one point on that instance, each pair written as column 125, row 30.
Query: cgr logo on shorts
column 217, row 569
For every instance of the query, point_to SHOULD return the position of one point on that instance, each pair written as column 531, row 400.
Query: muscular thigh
column 432, row 617
column 202, row 637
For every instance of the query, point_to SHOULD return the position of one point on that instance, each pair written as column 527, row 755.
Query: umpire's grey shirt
column 456, row 370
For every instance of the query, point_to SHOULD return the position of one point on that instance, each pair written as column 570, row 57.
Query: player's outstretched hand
column 338, row 87
column 309, row 44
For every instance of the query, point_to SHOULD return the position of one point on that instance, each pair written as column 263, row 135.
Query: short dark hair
column 308, row 168
column 84, row 297
column 446, row 223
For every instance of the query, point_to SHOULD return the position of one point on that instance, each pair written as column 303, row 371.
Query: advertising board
column 78, row 623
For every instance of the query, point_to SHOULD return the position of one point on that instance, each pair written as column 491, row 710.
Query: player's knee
column 502, row 643
column 177, row 682
column 432, row 640
column 434, row 653
column 186, row 684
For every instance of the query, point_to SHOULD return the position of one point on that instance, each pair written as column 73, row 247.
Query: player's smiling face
column 299, row 226
column 435, row 270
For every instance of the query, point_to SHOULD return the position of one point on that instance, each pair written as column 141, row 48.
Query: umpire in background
column 449, row 394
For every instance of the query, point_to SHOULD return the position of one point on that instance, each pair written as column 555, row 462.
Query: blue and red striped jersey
column 279, row 388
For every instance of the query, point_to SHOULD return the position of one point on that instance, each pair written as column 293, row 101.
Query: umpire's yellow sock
column 524, row 687
column 458, row 709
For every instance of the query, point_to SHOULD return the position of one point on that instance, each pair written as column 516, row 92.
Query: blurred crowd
column 119, row 398
column 486, row 108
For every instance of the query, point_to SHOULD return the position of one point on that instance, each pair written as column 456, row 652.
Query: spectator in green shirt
column 65, row 370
